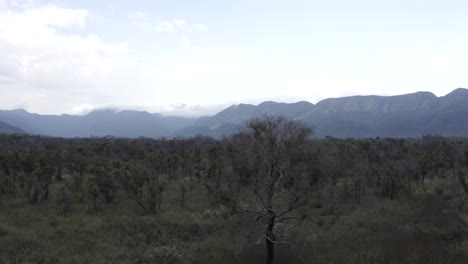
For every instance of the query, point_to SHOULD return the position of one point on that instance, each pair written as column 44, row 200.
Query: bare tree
column 276, row 172
column 143, row 185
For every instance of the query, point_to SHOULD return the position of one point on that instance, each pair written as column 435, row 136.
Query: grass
column 424, row 228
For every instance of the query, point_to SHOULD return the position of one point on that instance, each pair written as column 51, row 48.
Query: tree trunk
column 270, row 252
column 159, row 200
column 423, row 186
column 35, row 196
column 409, row 186
column 46, row 193
column 182, row 200
column 58, row 176
column 13, row 189
column 270, row 238
column 95, row 196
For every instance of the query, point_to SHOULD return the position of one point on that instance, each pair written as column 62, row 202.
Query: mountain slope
column 237, row 114
column 9, row 129
column 409, row 115
column 97, row 123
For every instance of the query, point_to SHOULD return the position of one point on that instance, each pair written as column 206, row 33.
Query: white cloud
column 53, row 61
column 17, row 3
column 187, row 110
column 82, row 109
column 185, row 43
column 181, row 25
column 137, row 15
column 166, row 27
column 170, row 26
column 49, row 66
column 178, row 109
column 41, row 18
column 43, row 64
column 174, row 26
column 200, row 27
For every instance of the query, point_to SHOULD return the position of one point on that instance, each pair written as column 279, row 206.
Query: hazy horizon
column 203, row 111
column 188, row 58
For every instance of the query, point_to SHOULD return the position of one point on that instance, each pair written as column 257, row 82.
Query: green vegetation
column 268, row 194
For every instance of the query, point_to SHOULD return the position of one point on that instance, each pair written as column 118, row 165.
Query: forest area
column 271, row 193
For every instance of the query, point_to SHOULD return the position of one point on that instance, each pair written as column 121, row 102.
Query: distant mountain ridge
column 98, row 123
column 409, row 115
column 9, row 129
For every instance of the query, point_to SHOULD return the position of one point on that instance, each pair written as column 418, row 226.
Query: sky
column 193, row 58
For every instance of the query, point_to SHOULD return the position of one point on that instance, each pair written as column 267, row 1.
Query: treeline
column 268, row 182
column 103, row 167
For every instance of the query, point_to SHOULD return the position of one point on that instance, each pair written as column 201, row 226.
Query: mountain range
column 409, row 115
column 9, row 129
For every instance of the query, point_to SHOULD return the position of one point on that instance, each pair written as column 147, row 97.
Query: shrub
column 161, row 255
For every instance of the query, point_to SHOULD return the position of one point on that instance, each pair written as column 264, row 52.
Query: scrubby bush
column 161, row 255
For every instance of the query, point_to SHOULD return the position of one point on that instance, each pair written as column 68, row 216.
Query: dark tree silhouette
column 277, row 174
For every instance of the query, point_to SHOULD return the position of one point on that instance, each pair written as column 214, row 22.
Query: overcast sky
column 190, row 57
